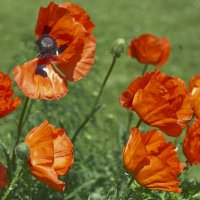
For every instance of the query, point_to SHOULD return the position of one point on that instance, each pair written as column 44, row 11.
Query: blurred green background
column 98, row 164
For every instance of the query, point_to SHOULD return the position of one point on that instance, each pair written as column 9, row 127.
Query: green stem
column 130, row 182
column 138, row 123
column 19, row 128
column 104, row 82
column 87, row 119
column 12, row 185
column 95, row 107
column 144, row 70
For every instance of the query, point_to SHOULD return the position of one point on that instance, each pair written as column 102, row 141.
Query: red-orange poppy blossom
column 51, row 154
column 7, row 102
column 3, row 180
column 148, row 49
column 66, row 49
column 195, row 92
column 160, row 101
column 191, row 144
column 151, row 161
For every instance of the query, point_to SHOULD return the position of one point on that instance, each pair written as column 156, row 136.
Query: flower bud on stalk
column 118, row 47
column 22, row 151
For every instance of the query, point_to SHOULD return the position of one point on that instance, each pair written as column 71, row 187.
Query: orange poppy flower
column 148, row 49
column 3, row 180
column 195, row 92
column 63, row 39
column 191, row 144
column 160, row 100
column 51, row 154
column 151, row 161
column 7, row 102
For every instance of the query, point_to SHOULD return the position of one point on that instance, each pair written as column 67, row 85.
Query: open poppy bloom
column 160, row 100
column 151, row 161
column 191, row 144
column 3, row 180
column 51, row 154
column 66, row 49
column 7, row 102
column 148, row 49
column 195, row 92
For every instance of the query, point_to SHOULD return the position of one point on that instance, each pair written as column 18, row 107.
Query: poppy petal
column 80, row 15
column 158, row 176
column 7, row 102
column 37, row 86
column 148, row 49
column 80, row 58
column 51, row 154
column 63, row 152
column 48, row 176
column 3, row 180
column 163, row 166
column 135, row 150
column 40, row 142
column 195, row 92
column 55, row 21
column 191, row 144
column 160, row 100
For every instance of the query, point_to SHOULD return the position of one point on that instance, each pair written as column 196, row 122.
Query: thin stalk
column 20, row 125
column 87, row 119
column 138, row 123
column 104, row 82
column 19, row 128
column 144, row 70
column 95, row 107
column 130, row 182
column 12, row 185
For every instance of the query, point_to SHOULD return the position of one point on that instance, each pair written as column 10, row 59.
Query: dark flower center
column 47, row 46
column 40, row 70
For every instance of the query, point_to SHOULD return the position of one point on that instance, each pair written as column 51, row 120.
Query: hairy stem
column 19, row 128
column 12, row 185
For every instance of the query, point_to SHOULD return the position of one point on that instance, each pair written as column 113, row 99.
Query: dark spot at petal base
column 46, row 30
column 40, row 71
column 62, row 48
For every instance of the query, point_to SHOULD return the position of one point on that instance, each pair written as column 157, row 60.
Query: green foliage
column 98, row 149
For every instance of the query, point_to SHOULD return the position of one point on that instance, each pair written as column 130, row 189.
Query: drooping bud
column 118, row 47
column 95, row 196
column 22, row 151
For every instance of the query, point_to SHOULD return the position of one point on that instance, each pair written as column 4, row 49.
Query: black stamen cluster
column 47, row 46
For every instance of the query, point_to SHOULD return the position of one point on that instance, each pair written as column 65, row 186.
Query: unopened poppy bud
column 22, row 151
column 95, row 196
column 118, row 47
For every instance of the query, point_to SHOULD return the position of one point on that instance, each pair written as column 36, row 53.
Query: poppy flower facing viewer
column 66, row 49
column 160, row 101
column 3, row 180
column 50, row 154
column 7, row 102
column 151, row 161
column 195, row 92
column 148, row 49
column 191, row 144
